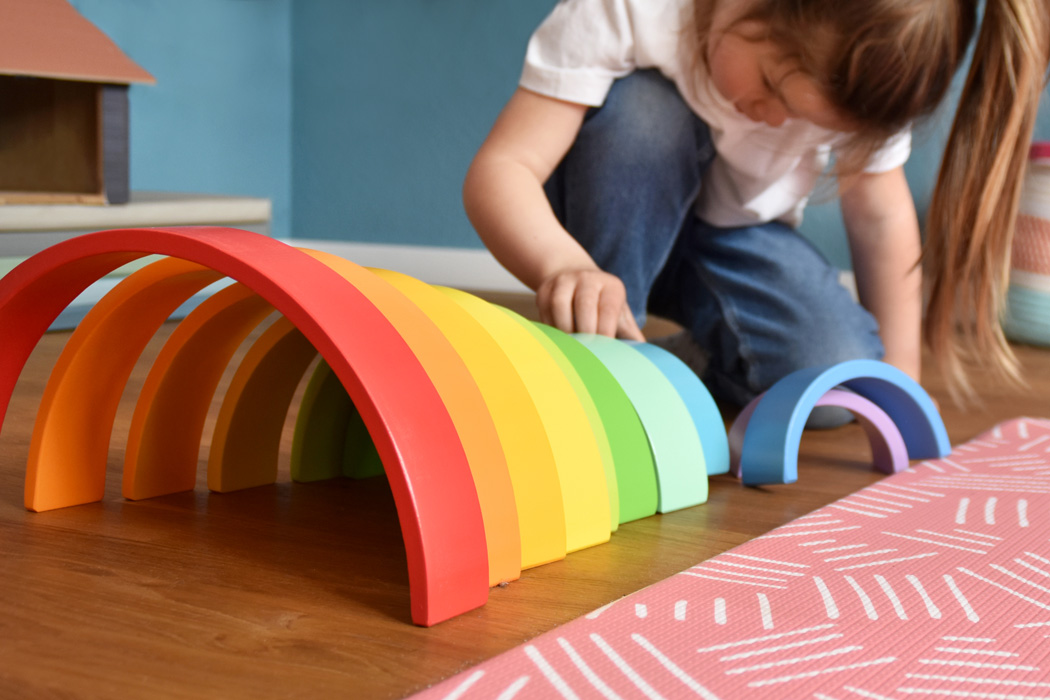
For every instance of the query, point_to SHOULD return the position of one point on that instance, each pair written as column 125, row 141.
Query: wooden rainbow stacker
column 507, row 443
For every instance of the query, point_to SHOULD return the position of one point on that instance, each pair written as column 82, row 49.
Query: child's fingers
column 628, row 327
column 587, row 301
column 544, row 310
column 587, row 310
column 555, row 301
column 611, row 307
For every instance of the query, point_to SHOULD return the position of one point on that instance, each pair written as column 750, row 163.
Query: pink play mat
column 932, row 583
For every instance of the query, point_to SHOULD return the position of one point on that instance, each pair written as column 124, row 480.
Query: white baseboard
column 464, row 268
column 78, row 308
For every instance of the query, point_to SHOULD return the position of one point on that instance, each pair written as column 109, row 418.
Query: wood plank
column 301, row 590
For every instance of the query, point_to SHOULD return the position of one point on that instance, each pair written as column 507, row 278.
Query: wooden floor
column 296, row 591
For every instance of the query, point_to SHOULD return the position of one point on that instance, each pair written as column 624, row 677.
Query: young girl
column 658, row 154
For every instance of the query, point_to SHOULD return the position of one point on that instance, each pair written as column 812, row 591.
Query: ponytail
column 970, row 223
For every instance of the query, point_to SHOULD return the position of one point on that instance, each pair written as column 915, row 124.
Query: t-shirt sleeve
column 893, row 154
column 579, row 50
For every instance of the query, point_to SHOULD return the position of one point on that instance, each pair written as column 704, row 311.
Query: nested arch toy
column 896, row 412
column 436, row 414
column 441, row 521
column 506, row 443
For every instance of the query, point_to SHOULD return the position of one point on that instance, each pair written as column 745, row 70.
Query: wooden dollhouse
column 64, row 118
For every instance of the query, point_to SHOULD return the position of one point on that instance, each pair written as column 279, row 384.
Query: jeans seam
column 729, row 317
column 703, row 155
column 686, row 212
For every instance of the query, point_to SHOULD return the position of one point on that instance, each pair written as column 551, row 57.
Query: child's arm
column 884, row 239
column 504, row 199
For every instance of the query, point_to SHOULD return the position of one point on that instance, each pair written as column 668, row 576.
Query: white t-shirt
column 760, row 173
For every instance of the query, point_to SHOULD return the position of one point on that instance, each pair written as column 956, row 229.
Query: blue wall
column 219, row 119
column 391, row 101
column 357, row 118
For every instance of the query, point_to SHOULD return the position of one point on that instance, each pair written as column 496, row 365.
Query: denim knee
column 644, row 120
column 828, row 336
column 839, row 332
column 764, row 302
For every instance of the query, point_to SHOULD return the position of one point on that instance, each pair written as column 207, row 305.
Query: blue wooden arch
column 769, row 454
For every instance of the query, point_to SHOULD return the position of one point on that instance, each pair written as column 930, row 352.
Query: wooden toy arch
column 889, row 454
column 769, row 454
column 427, row 469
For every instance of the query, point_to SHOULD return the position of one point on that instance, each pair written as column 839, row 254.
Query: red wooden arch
column 425, row 463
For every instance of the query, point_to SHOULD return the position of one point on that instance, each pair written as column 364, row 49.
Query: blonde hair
column 970, row 223
column 886, row 63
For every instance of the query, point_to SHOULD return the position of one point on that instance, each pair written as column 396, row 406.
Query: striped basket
column 1027, row 317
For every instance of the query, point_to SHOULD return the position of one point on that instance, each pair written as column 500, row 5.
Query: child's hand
column 587, row 301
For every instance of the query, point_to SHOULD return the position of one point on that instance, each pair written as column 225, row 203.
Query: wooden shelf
column 26, row 229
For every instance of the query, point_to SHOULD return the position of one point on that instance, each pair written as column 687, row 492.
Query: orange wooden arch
column 168, row 423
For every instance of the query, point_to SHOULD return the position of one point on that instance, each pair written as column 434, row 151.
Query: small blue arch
column 702, row 407
column 769, row 454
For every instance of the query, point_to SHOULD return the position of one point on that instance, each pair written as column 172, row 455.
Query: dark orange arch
column 425, row 462
column 70, row 443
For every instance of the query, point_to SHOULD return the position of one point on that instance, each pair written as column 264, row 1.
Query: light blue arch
column 769, row 454
column 706, row 417
column 681, row 468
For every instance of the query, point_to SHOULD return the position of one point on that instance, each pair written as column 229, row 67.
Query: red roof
column 50, row 39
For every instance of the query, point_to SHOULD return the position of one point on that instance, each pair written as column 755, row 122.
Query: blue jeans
column 761, row 300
